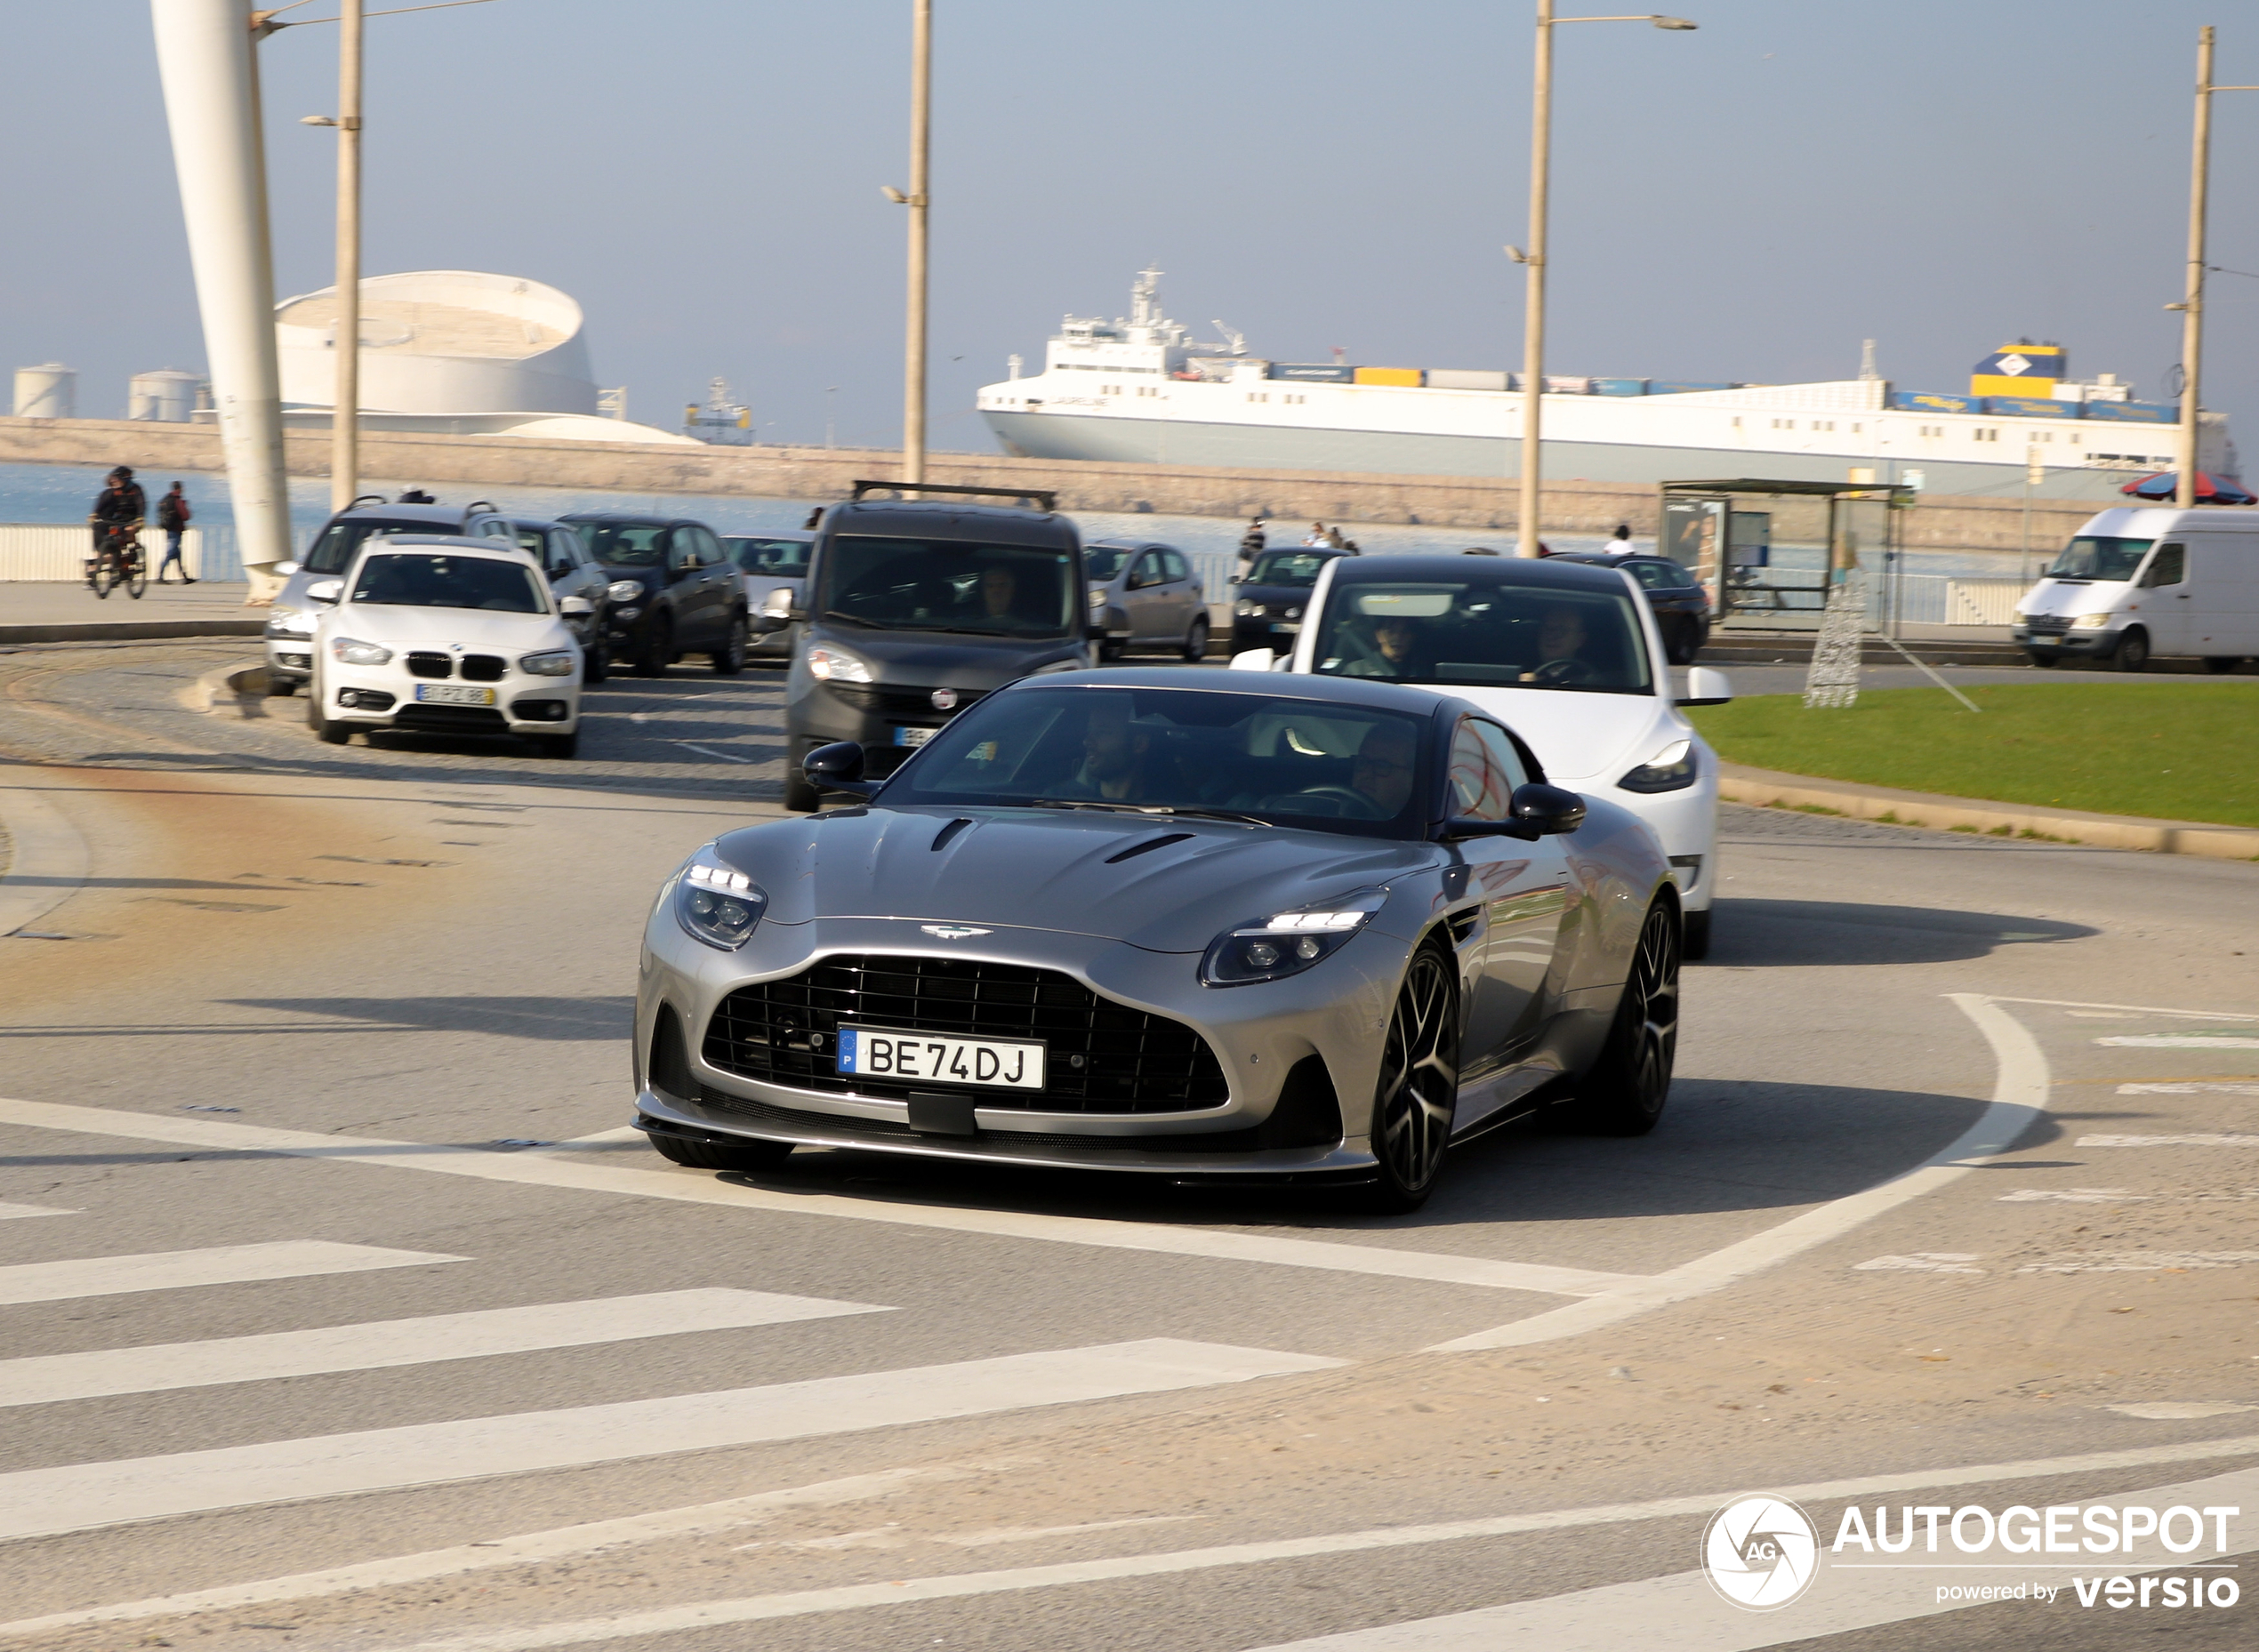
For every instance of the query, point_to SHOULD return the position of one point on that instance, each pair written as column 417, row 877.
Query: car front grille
column 892, row 700
column 484, row 668
column 451, row 719
column 2048, row 624
column 436, row 666
column 1100, row 1057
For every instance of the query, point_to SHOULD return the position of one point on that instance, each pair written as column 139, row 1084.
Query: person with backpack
column 172, row 514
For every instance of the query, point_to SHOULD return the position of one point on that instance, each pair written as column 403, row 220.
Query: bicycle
column 120, row 562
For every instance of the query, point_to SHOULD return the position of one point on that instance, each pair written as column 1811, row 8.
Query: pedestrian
column 172, row 514
column 1251, row 546
column 1316, row 536
column 119, row 507
column 417, row 496
column 1622, row 541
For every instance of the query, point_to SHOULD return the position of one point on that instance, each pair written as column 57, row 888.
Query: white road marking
column 710, row 752
column 10, row 1212
column 2020, row 1093
column 2189, row 1089
column 78, row 1496
column 2178, row 1410
column 546, row 1169
column 2147, row 1009
column 893, row 1536
column 175, row 1269
column 1621, row 1616
column 2140, row 1261
column 2180, row 1042
column 2074, row 1196
column 2168, row 1140
column 390, row 1343
column 1922, row 1261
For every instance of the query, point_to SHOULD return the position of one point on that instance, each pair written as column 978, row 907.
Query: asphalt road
column 314, row 1105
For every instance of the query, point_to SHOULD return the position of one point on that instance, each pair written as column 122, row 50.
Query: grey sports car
column 1171, row 921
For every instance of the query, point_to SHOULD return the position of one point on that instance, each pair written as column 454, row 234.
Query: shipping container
column 1685, row 387
column 1466, row 379
column 1312, row 372
column 1619, row 387
column 2135, row 413
column 1403, row 378
column 1567, row 387
column 2031, row 408
column 1931, row 401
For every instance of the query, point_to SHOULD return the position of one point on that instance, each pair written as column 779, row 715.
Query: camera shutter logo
column 1760, row 1553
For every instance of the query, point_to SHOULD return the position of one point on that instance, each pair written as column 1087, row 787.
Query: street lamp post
column 345, row 405
column 913, row 362
column 1533, row 260
column 2192, row 304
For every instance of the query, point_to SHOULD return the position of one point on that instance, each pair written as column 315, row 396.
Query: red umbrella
column 2222, row 490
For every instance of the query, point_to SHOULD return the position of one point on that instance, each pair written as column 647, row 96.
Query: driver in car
column 997, row 586
column 1382, row 773
column 1113, row 756
column 1561, row 640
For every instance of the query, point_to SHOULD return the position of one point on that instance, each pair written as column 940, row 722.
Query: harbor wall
column 1941, row 522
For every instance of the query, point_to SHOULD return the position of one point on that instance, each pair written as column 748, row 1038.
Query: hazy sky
column 1747, row 202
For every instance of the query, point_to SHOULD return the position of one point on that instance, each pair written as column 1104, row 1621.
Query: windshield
column 624, row 544
column 2096, row 557
column 333, row 552
column 949, row 585
column 785, row 558
column 398, row 580
column 1286, row 568
column 1280, row 761
column 1480, row 633
column 1101, row 562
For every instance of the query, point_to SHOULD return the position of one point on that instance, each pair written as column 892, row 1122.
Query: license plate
column 913, row 736
column 929, row 1058
column 453, row 695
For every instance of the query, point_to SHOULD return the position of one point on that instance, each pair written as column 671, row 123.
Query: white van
column 2137, row 584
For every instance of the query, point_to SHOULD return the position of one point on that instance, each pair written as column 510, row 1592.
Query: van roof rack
column 1045, row 498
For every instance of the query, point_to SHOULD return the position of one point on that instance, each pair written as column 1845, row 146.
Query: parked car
column 1171, row 923
column 1565, row 655
column 448, row 635
column 1142, row 594
column 1267, row 600
column 673, row 591
column 1682, row 607
column 572, row 572
column 915, row 609
column 2137, row 584
column 291, row 619
column 767, row 563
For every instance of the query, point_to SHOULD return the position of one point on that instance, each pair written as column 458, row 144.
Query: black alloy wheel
column 1196, row 640
column 1624, row 1093
column 657, row 651
column 737, row 1154
column 1418, row 1094
column 2134, row 651
column 729, row 659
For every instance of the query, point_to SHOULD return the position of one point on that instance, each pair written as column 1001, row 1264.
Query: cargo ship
column 1143, row 389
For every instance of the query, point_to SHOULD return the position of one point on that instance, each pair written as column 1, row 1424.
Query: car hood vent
column 1148, row 846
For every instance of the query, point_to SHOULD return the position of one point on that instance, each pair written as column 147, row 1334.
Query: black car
column 1682, row 607
column 1267, row 600
column 673, row 591
column 916, row 608
column 572, row 572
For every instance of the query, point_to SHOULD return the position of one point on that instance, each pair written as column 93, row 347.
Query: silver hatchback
column 1145, row 594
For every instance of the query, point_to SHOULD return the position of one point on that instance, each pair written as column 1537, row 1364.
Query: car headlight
column 834, row 665
column 716, row 904
column 1286, row 944
column 1098, row 596
column 1245, row 609
column 624, row 590
column 625, row 614
column 556, row 662
column 2091, row 622
column 352, row 650
column 1671, row 769
column 1294, row 613
column 292, row 622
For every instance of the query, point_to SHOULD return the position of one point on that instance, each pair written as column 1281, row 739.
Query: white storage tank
column 167, row 396
column 48, row 391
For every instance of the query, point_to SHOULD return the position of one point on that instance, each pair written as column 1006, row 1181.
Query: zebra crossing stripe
column 78, row 1496
column 8, row 1212
column 176, row 1269
column 425, row 1340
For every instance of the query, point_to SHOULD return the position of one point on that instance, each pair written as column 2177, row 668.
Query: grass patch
column 2162, row 748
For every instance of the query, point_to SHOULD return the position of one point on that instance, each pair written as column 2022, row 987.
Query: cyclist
column 119, row 510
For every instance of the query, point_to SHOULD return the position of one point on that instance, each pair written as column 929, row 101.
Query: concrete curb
column 1767, row 789
column 129, row 631
column 225, row 682
column 48, row 861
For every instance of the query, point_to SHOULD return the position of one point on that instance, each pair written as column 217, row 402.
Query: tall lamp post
column 2192, row 304
column 913, row 360
column 1534, row 258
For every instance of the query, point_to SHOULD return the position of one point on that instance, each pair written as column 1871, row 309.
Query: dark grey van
column 915, row 608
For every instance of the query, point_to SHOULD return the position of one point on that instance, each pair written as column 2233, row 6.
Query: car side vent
column 1462, row 923
column 942, row 837
column 1309, row 1112
column 1147, row 846
column 669, row 1072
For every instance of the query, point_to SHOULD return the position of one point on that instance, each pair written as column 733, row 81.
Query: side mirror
column 796, row 616
column 325, row 590
column 1253, row 660
column 838, row 767
column 1544, row 809
column 577, row 607
column 1707, row 685
column 285, row 569
column 778, row 605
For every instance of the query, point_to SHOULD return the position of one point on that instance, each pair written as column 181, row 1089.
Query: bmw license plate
column 453, row 695
column 913, row 736
column 929, row 1058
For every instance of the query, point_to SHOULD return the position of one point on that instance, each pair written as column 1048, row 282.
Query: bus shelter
column 1768, row 552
